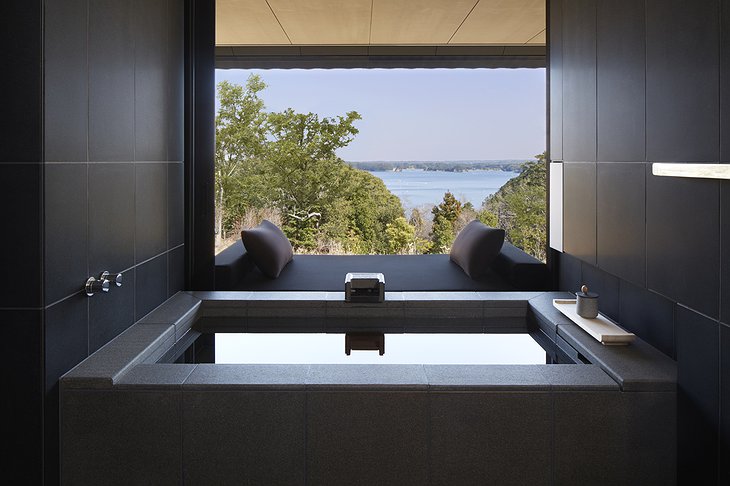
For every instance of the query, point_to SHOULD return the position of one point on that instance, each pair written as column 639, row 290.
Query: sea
column 419, row 188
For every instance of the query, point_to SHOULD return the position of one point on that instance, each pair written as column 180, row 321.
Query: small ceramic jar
column 587, row 303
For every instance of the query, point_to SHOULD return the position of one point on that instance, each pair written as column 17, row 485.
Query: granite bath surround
column 129, row 415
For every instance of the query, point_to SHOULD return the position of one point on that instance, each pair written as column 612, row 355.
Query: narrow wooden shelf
column 601, row 328
column 694, row 171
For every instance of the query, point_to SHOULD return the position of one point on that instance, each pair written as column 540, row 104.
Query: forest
column 282, row 166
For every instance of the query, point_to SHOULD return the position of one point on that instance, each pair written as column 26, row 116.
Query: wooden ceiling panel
column 539, row 39
column 246, row 22
column 324, row 21
column 417, row 21
column 380, row 22
column 502, row 22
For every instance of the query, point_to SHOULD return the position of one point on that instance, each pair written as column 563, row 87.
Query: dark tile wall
column 151, row 200
column 579, row 80
column 724, row 472
column 569, row 273
column 22, row 345
column 555, row 11
column 682, row 76
column 646, row 313
column 724, row 80
column 66, row 51
column 112, row 76
column 621, row 80
column 579, row 210
column 621, row 220
column 151, row 285
column 91, row 179
column 725, row 255
column 112, row 314
column 20, row 84
column 683, row 241
column 154, row 417
column 698, row 353
column 21, row 245
column 152, row 70
column 114, row 199
column 654, row 74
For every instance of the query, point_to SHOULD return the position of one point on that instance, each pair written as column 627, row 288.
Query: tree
column 489, row 218
column 449, row 208
column 240, row 132
column 442, row 235
column 303, row 174
column 519, row 207
column 284, row 165
column 371, row 207
column 416, row 219
column 468, row 214
column 445, row 216
column 400, row 236
column 422, row 230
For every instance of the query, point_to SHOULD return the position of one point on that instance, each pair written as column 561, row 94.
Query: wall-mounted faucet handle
column 112, row 278
column 93, row 286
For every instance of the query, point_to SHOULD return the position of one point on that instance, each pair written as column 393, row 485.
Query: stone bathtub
column 130, row 415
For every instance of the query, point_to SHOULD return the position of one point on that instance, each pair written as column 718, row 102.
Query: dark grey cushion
column 268, row 247
column 475, row 248
column 402, row 273
column 521, row 270
column 513, row 269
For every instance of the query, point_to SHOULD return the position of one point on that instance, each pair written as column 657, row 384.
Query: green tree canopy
column 400, row 236
column 445, row 216
column 287, row 162
column 442, row 235
column 285, row 165
column 519, row 208
column 303, row 174
column 370, row 207
column 240, row 135
column 449, row 208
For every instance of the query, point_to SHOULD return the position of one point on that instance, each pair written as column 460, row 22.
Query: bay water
column 419, row 188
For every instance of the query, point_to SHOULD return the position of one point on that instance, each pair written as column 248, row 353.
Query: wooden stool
column 365, row 341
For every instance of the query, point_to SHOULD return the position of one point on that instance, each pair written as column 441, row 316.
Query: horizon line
column 526, row 159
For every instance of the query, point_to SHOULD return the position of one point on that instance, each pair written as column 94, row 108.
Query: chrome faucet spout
column 93, row 286
column 112, row 278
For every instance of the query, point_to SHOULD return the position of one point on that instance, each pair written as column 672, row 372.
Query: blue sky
column 419, row 114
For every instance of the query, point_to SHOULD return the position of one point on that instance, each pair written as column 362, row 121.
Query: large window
column 381, row 160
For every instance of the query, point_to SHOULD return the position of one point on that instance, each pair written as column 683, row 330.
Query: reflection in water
column 399, row 349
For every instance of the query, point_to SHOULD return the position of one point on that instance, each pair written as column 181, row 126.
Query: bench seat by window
column 513, row 269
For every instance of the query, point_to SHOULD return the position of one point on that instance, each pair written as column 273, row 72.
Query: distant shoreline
column 442, row 166
column 417, row 188
column 417, row 169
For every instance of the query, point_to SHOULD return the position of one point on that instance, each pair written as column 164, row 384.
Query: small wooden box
column 365, row 287
column 365, row 341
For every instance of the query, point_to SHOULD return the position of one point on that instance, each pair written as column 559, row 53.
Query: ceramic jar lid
column 585, row 294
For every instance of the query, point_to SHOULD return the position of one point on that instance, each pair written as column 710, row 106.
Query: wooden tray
column 601, row 328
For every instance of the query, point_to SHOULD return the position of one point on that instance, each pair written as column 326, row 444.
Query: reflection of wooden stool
column 365, row 341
